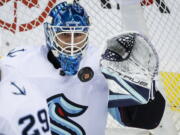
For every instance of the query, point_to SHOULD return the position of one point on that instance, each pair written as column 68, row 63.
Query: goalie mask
column 67, row 35
column 131, row 62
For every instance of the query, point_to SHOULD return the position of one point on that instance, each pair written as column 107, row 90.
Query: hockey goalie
column 130, row 65
column 67, row 75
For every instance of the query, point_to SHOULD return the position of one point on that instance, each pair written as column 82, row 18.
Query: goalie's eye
column 78, row 34
column 65, row 35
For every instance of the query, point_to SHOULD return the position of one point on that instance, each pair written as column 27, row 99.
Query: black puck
column 85, row 74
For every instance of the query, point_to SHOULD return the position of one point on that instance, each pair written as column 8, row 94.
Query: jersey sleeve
column 5, row 127
column 145, row 116
column 18, row 59
column 18, row 55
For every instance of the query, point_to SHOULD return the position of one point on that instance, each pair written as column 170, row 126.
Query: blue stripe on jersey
column 116, row 77
column 116, row 114
column 62, row 121
column 69, row 107
column 122, row 103
column 141, row 90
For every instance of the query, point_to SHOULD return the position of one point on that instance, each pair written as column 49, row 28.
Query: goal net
column 21, row 24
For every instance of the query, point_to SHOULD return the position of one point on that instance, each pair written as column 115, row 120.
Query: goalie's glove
column 130, row 64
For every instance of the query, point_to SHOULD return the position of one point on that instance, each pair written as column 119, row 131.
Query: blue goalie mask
column 67, row 35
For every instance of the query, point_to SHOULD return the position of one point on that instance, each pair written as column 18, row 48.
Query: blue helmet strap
column 70, row 64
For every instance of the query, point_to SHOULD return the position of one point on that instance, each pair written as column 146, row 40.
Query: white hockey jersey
column 23, row 111
column 75, row 107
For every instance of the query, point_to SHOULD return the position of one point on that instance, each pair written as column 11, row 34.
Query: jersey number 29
column 42, row 118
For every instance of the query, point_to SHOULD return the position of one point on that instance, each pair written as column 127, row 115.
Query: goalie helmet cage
column 21, row 24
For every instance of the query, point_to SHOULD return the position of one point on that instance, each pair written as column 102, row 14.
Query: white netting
column 163, row 30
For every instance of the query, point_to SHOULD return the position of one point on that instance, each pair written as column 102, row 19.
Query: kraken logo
column 60, row 110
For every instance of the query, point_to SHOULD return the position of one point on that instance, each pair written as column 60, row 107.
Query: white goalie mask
column 67, row 35
column 70, row 41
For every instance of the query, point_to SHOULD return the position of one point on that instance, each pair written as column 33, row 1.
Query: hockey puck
column 85, row 74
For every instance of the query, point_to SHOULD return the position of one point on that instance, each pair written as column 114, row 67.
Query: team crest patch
column 61, row 109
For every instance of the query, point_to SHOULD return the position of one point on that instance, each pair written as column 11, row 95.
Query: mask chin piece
column 69, row 64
